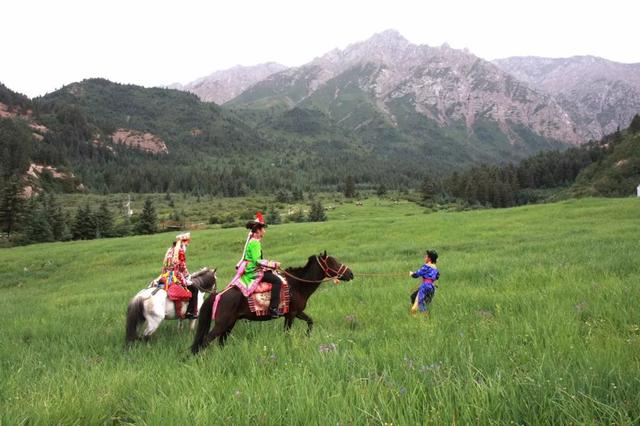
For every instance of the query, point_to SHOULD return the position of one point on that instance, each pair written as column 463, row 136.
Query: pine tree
column 148, row 219
column 297, row 195
column 273, row 216
column 104, row 221
column 56, row 219
column 428, row 190
column 349, row 187
column 37, row 228
column 316, row 212
column 84, row 226
column 11, row 206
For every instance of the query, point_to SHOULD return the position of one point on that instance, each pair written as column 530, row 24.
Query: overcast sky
column 49, row 43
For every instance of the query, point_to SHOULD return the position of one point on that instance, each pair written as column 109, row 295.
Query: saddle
column 261, row 297
column 175, row 291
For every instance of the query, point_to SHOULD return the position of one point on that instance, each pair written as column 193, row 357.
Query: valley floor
column 535, row 321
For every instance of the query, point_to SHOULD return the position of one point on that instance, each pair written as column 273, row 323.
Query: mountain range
column 383, row 111
column 571, row 99
column 599, row 95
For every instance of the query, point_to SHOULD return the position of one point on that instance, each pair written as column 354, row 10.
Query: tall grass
column 535, row 321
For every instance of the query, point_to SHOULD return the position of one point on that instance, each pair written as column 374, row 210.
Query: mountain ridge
column 445, row 85
column 598, row 94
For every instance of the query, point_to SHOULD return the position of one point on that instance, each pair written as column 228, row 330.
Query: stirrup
column 273, row 313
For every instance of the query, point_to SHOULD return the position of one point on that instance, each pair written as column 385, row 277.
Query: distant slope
column 618, row 174
column 222, row 86
column 599, row 95
column 210, row 150
column 173, row 115
column 440, row 106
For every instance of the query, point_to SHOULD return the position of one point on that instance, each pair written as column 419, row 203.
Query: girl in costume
column 176, row 276
column 429, row 273
column 253, row 269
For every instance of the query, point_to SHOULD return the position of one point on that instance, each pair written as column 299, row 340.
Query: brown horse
column 232, row 306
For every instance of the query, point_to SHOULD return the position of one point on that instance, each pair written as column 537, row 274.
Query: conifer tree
column 316, row 212
column 104, row 221
column 11, row 205
column 84, row 226
column 37, row 228
column 148, row 219
column 349, row 187
column 428, row 189
column 56, row 219
column 273, row 216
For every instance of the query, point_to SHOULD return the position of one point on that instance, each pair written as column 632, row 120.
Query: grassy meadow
column 535, row 321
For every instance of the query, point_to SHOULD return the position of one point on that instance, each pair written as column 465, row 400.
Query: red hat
column 257, row 222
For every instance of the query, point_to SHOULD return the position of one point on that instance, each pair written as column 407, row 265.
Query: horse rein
column 326, row 269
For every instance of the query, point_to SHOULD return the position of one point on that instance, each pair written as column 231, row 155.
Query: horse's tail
column 204, row 323
column 135, row 316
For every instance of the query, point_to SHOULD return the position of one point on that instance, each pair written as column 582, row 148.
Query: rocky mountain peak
column 599, row 95
column 387, row 39
column 223, row 85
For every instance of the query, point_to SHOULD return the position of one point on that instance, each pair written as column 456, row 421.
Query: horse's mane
column 198, row 278
column 201, row 272
column 298, row 271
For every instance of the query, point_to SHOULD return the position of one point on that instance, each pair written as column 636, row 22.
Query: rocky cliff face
column 222, row 86
column 142, row 141
column 440, row 83
column 599, row 95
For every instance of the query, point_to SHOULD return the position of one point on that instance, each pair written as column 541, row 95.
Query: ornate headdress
column 184, row 236
column 258, row 221
column 181, row 239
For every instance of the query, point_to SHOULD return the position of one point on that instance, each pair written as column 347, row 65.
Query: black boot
column 192, row 308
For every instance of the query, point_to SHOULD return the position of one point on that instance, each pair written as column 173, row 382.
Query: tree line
column 516, row 184
column 42, row 219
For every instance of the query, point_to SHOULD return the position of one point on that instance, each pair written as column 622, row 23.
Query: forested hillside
column 609, row 167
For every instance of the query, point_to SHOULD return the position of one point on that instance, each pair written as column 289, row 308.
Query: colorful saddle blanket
column 175, row 291
column 261, row 298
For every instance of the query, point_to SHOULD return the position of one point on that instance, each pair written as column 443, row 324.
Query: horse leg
column 221, row 330
column 192, row 324
column 223, row 337
column 154, row 314
column 309, row 321
column 288, row 322
column 153, row 322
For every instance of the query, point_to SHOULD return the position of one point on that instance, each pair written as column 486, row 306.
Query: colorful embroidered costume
column 429, row 274
column 253, row 265
column 175, row 275
column 253, row 269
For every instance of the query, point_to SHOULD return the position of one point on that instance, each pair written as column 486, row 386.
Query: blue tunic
column 429, row 274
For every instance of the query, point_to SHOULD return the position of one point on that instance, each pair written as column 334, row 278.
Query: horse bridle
column 326, row 269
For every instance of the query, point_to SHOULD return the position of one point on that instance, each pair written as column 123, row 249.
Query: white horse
column 153, row 305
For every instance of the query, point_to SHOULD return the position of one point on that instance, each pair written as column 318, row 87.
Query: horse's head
column 206, row 280
column 332, row 268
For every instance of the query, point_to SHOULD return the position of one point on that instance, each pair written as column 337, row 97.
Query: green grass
column 535, row 321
